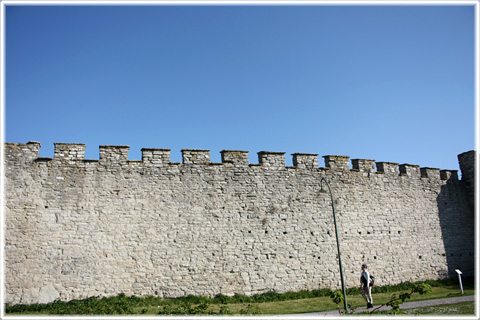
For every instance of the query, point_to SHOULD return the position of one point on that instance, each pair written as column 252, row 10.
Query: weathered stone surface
column 76, row 228
column 48, row 294
column 467, row 166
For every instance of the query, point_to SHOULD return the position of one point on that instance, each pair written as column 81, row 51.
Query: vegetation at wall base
column 461, row 308
column 466, row 308
column 266, row 303
column 394, row 302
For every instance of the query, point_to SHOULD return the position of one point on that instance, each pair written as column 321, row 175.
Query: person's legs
column 367, row 295
column 370, row 295
column 364, row 293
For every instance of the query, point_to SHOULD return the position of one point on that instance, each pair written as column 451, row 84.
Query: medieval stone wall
column 76, row 228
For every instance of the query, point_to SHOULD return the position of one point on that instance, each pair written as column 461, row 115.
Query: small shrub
column 240, row 298
column 221, row 298
column 269, row 296
column 321, row 292
column 192, row 299
column 354, row 291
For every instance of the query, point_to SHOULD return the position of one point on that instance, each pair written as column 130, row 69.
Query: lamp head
column 322, row 190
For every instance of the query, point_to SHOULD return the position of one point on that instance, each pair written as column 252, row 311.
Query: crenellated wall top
column 74, row 153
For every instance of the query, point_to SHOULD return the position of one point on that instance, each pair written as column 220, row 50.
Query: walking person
column 365, row 286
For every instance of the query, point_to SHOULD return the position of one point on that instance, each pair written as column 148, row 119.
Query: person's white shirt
column 367, row 276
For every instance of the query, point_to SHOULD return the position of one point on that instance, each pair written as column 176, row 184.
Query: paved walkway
column 405, row 305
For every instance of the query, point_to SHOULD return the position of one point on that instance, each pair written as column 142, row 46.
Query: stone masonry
column 76, row 228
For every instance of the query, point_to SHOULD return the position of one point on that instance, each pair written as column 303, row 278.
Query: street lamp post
column 338, row 241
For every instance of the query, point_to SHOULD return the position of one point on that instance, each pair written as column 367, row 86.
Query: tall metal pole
column 338, row 244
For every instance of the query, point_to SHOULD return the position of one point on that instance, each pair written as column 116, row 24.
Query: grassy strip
column 326, row 304
column 266, row 303
column 462, row 308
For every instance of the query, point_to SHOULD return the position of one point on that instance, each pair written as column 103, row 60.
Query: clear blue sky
column 390, row 83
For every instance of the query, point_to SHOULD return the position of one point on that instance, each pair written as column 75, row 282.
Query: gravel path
column 406, row 305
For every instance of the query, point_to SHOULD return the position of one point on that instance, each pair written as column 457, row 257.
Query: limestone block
column 271, row 160
column 305, row 160
column 195, row 156
column 337, row 163
column 237, row 157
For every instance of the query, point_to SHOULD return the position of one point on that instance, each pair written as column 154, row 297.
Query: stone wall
column 467, row 165
column 76, row 228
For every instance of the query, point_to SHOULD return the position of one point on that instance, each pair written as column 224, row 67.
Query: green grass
column 271, row 303
column 325, row 303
